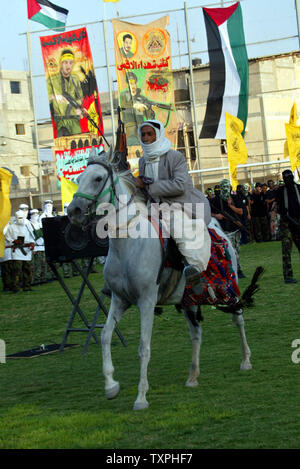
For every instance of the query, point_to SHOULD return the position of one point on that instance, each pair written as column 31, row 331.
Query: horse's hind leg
column 196, row 336
column 246, row 353
column 116, row 310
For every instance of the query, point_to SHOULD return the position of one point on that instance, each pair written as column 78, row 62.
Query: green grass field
column 58, row 401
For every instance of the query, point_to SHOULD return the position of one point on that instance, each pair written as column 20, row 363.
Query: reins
column 109, row 190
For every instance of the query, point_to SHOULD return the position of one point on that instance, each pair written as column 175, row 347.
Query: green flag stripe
column 239, row 51
column 47, row 21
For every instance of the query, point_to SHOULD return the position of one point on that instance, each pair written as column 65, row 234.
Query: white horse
column 131, row 271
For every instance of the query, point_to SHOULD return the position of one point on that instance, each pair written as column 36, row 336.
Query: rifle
column 230, row 218
column 147, row 102
column 21, row 247
column 74, row 103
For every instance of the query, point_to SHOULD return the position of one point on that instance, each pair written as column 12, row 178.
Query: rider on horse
column 163, row 173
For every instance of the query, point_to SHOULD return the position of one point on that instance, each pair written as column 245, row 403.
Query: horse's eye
column 98, row 179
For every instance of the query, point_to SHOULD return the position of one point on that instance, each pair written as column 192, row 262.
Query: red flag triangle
column 220, row 15
column 33, row 8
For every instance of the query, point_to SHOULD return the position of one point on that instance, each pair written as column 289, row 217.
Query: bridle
column 111, row 189
column 102, row 193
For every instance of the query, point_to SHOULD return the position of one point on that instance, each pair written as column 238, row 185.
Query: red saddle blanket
column 218, row 281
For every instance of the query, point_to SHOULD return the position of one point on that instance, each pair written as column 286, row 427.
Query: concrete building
column 274, row 85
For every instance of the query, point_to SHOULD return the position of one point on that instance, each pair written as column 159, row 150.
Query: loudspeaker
column 65, row 242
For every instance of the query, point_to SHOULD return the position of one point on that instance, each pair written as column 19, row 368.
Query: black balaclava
column 288, row 178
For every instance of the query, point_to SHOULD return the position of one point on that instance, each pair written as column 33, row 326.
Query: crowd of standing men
column 24, row 262
column 268, row 212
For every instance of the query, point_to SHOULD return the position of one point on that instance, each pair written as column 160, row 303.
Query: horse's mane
column 128, row 180
column 118, row 162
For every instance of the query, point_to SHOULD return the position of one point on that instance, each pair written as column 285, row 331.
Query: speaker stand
column 76, row 308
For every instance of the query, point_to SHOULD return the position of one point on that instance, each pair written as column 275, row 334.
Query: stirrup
column 192, row 274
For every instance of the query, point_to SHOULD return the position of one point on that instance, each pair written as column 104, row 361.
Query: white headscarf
column 153, row 151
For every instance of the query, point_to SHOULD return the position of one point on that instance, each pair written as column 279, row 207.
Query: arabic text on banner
column 145, row 81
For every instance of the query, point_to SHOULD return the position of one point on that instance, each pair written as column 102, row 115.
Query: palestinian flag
column 48, row 14
column 229, row 77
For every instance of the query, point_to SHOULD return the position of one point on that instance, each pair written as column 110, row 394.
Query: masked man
column 48, row 210
column 288, row 207
column 228, row 213
column 20, row 236
column 39, row 260
column 163, row 173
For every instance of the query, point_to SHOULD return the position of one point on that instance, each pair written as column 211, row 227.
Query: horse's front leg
column 147, row 315
column 116, row 310
column 196, row 337
column 246, row 353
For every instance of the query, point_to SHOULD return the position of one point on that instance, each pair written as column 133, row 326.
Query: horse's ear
column 93, row 155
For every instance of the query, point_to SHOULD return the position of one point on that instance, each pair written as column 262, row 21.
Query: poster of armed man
column 143, row 66
column 74, row 100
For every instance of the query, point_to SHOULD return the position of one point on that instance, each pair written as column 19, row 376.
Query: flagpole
column 196, row 139
column 108, row 76
column 298, row 18
column 29, row 51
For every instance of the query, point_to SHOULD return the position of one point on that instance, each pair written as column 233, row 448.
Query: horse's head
column 96, row 184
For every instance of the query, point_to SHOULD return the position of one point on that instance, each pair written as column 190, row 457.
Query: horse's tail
column 247, row 297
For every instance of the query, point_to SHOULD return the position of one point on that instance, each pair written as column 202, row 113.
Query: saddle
column 217, row 286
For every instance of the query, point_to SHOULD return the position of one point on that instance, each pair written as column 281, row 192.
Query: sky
column 264, row 20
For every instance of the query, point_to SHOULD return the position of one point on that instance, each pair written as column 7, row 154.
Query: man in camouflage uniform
column 223, row 204
column 288, row 206
column 134, row 109
column 39, row 260
column 65, row 95
column 18, row 235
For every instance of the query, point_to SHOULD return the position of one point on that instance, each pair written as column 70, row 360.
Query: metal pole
column 109, row 83
column 29, row 50
column 192, row 91
column 298, row 18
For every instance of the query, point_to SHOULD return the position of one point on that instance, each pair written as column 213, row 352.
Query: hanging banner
column 74, row 100
column 145, row 80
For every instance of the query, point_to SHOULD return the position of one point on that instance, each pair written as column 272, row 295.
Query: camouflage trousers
column 289, row 234
column 7, row 275
column 261, row 228
column 39, row 268
column 22, row 272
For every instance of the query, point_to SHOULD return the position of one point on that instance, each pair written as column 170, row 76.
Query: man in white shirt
column 20, row 237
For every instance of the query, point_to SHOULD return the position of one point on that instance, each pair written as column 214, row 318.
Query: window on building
column 180, row 142
column 25, row 171
column 192, row 147
column 20, row 129
column 15, row 87
column 223, row 146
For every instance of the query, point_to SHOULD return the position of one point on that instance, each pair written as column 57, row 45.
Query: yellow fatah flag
column 68, row 189
column 293, row 143
column 111, row 1
column 293, row 120
column 5, row 205
column 236, row 147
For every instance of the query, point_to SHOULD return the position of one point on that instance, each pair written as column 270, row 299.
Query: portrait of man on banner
column 73, row 99
column 66, row 97
column 145, row 82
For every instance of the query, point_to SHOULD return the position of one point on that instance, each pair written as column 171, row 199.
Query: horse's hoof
column 112, row 392
column 192, row 384
column 140, row 405
column 245, row 366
